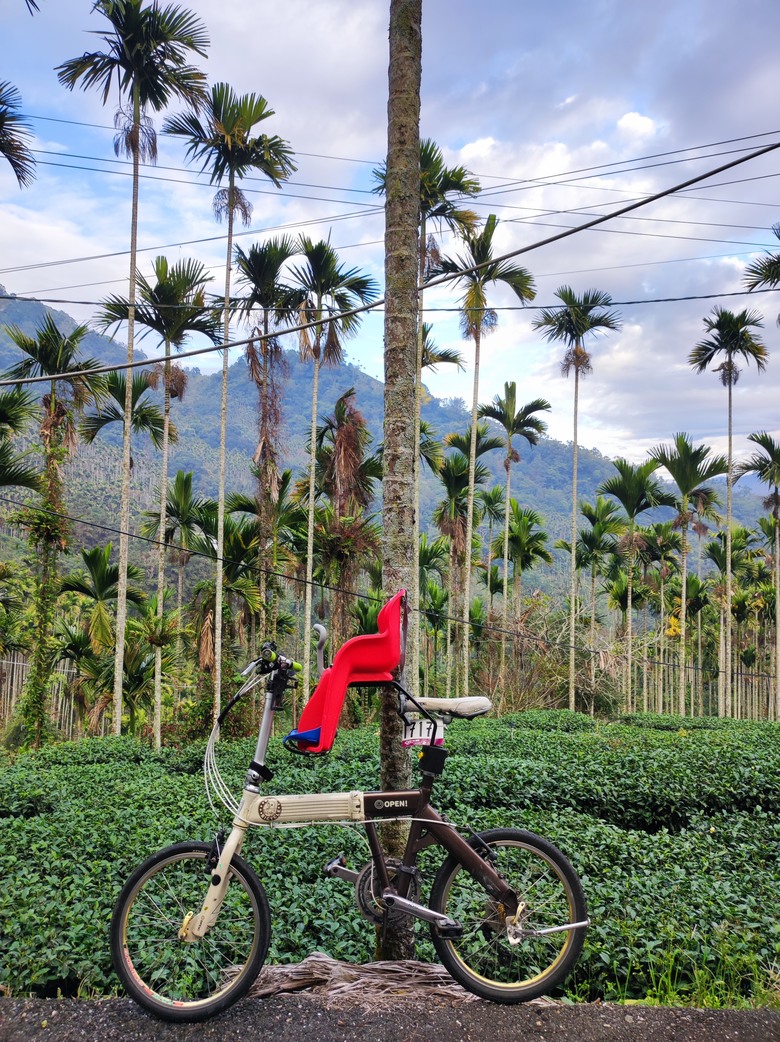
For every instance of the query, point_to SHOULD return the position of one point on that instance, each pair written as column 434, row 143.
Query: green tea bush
column 675, row 834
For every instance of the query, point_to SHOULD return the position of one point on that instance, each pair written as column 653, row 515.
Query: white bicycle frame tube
column 257, row 809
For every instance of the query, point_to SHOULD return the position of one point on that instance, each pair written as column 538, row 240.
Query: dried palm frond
column 371, row 985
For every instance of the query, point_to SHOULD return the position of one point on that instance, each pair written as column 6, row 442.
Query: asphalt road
column 297, row 1017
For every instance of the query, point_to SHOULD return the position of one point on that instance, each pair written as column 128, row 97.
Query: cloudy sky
column 563, row 110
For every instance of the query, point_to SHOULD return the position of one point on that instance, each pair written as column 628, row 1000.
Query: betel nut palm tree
column 17, row 410
column 98, row 582
column 51, row 353
column 443, row 189
column 450, row 515
column 731, row 337
column 636, row 489
column 147, row 53
column 184, row 520
column 765, row 464
column 569, row 324
column 147, row 416
column 225, row 144
column 764, row 272
column 490, row 509
column 594, row 545
column 260, row 275
column 324, row 291
column 15, row 135
column 173, row 306
column 475, row 270
column 522, row 423
column 690, row 467
column 526, row 547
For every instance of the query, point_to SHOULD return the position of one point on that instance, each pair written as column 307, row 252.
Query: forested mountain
column 541, row 480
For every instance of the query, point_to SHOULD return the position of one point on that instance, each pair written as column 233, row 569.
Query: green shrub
column 675, row 833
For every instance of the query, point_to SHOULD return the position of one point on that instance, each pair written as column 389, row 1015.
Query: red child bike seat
column 368, row 659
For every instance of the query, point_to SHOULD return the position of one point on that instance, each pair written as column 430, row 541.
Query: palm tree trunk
column 124, row 506
column 629, row 621
column 777, row 607
column 161, row 541
column 683, row 614
column 306, row 659
column 466, row 615
column 505, row 587
column 644, row 658
column 722, row 663
column 592, row 635
column 729, row 592
column 660, row 701
column 413, row 642
column 264, row 505
column 218, row 594
column 448, row 656
column 401, row 323
column 573, row 577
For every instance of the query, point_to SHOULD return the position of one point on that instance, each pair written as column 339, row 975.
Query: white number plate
column 418, row 732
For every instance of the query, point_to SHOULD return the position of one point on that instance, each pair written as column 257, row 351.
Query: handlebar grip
column 270, row 655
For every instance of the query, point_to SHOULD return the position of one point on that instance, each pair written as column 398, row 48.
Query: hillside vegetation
column 542, row 480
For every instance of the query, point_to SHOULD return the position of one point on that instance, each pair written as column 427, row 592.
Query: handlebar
column 270, row 660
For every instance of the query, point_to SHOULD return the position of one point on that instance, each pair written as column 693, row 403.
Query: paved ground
column 293, row 1017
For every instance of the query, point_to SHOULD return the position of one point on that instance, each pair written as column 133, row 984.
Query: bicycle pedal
column 338, row 868
column 450, row 933
column 336, row 863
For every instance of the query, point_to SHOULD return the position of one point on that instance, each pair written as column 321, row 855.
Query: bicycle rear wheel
column 483, row 960
column 179, row 980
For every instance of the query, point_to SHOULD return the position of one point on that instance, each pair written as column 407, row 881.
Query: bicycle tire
column 188, row 981
column 482, row 959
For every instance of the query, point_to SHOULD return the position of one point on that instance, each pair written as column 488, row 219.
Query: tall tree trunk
column 415, row 618
column 161, row 542
column 722, row 663
column 573, row 576
column 124, row 506
column 729, row 592
column 306, row 660
column 644, row 658
column 683, row 613
column 218, row 594
column 466, row 614
column 660, row 701
column 265, row 484
column 592, row 634
column 629, row 621
column 777, row 609
column 505, row 577
column 401, row 316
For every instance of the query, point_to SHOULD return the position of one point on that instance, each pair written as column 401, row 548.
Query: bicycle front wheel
column 511, row 962
column 188, row 980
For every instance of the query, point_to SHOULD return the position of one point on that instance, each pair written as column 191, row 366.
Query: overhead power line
column 595, row 222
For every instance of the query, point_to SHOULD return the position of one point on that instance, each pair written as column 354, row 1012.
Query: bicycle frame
column 427, row 828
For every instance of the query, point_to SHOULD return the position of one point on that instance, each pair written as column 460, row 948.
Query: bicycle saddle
column 461, row 708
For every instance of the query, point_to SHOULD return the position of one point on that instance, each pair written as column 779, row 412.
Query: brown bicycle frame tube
column 426, row 828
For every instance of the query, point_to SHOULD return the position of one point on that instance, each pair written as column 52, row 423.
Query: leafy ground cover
column 675, row 833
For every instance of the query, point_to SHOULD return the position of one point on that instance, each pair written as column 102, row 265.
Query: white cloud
column 492, row 90
column 634, row 125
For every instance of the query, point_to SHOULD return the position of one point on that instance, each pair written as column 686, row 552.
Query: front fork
column 196, row 925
